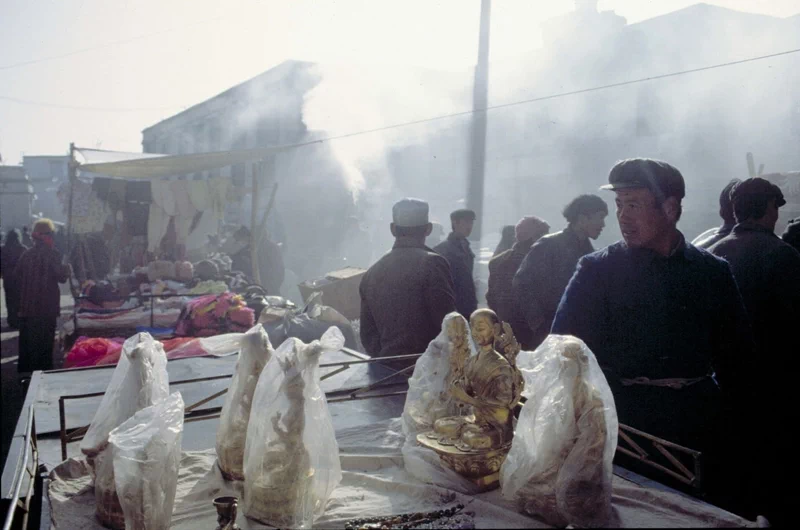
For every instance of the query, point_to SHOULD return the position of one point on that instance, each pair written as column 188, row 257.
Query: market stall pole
column 257, row 230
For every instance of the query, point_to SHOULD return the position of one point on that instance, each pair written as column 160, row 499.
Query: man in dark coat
column 711, row 236
column 9, row 256
column 38, row 273
column 664, row 318
column 767, row 271
column 546, row 270
column 407, row 293
column 459, row 255
column 502, row 269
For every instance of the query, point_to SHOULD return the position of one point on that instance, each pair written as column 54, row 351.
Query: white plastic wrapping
column 146, row 451
column 256, row 350
column 560, row 463
column 139, row 381
column 427, row 401
column 291, row 464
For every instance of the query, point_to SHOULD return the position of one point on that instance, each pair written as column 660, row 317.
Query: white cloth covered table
column 374, row 483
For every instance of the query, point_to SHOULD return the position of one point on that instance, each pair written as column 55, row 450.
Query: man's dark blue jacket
column 645, row 315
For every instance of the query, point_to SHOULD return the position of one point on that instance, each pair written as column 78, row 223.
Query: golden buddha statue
column 489, row 386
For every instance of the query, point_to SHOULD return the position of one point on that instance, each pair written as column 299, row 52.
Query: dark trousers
column 36, row 341
column 12, row 304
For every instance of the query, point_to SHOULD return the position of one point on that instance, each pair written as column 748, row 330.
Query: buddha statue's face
column 483, row 331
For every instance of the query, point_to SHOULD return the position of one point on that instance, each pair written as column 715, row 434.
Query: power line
column 107, row 45
column 435, row 118
column 552, row 96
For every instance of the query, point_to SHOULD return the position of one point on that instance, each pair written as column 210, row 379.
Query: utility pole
column 480, row 93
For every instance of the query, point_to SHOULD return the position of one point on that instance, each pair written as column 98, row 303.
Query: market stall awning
column 134, row 166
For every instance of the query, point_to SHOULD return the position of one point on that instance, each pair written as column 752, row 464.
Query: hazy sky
column 176, row 53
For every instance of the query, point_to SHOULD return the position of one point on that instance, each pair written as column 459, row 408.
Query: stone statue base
column 481, row 467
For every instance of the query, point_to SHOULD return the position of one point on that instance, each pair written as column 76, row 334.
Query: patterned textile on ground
column 214, row 314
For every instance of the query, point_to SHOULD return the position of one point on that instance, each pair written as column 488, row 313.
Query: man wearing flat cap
column 767, row 271
column 462, row 260
column 664, row 318
column 406, row 294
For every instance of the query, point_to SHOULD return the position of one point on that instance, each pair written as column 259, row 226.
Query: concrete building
column 16, row 198
column 47, row 173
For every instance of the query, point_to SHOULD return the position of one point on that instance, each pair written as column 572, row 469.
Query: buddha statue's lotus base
column 479, row 466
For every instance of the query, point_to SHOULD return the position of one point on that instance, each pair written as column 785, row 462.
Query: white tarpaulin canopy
column 142, row 166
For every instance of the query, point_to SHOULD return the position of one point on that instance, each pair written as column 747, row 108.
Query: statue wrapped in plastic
column 256, row 350
column 560, row 463
column 140, row 380
column 291, row 463
column 146, row 452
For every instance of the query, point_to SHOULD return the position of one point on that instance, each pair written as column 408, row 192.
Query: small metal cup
column 227, row 508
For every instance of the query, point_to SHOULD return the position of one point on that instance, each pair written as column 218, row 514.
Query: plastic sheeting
column 375, row 483
column 560, row 463
column 146, row 453
column 291, row 460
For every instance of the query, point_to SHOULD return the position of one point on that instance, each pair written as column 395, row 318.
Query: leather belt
column 675, row 383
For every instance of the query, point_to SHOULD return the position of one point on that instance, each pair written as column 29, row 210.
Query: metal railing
column 29, row 455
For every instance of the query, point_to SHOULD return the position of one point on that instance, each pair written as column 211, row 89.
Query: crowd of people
column 689, row 335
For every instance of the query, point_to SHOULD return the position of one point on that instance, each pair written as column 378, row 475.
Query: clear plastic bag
column 427, row 401
column 291, row 464
column 146, row 454
column 256, row 350
column 560, row 463
column 139, row 381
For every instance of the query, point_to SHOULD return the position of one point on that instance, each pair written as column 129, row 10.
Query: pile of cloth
column 215, row 314
column 101, row 351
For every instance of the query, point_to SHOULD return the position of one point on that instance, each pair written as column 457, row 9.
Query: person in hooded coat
column 38, row 273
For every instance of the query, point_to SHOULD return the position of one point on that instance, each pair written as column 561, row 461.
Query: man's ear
column 671, row 207
column 391, row 227
column 428, row 229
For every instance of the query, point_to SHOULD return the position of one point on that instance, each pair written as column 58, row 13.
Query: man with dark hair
column 664, row 318
column 406, row 294
column 459, row 255
column 712, row 235
column 547, row 268
column 767, row 271
column 502, row 269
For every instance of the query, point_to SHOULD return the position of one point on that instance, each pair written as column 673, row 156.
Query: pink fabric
column 100, row 351
column 244, row 316
column 93, row 351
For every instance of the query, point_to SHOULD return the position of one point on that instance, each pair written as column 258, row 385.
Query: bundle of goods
column 140, row 380
column 282, row 319
column 232, row 431
column 93, row 351
column 160, row 270
column 290, row 471
column 103, row 296
column 146, row 455
column 560, row 463
column 214, row 314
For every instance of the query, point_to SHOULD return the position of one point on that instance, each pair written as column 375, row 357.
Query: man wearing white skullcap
column 407, row 293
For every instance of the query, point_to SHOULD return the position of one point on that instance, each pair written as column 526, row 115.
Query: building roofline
column 239, row 86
